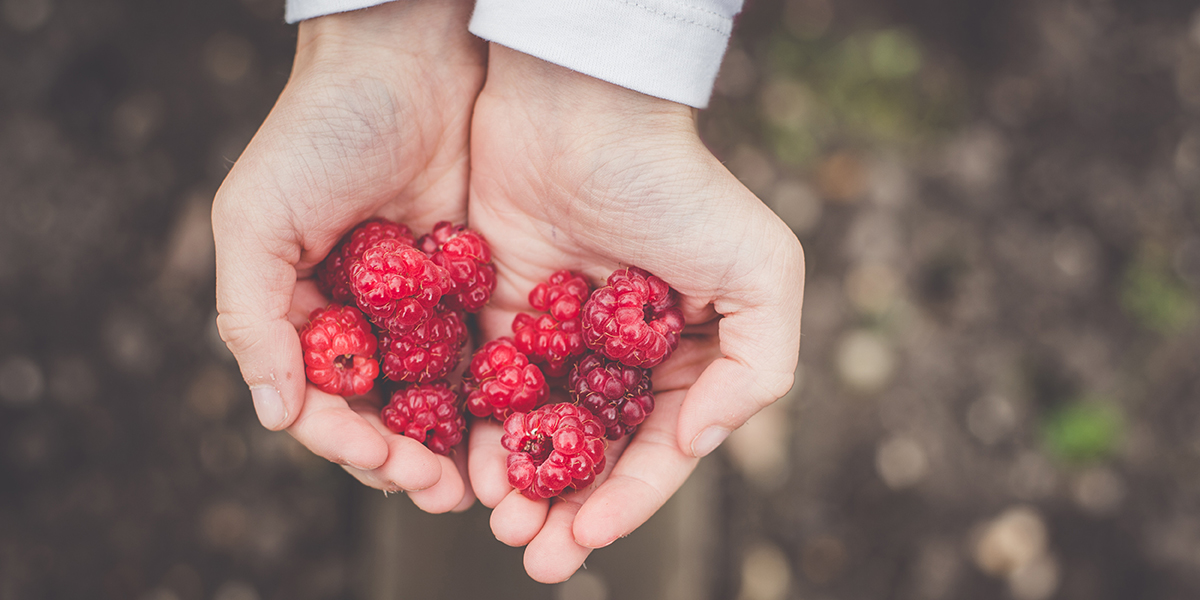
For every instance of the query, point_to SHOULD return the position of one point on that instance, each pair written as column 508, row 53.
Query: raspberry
column 427, row 413
column 339, row 351
column 332, row 276
column 553, row 448
column 554, row 338
column 501, row 381
column 619, row 395
column 397, row 285
column 561, row 295
column 430, row 351
column 468, row 258
column 633, row 319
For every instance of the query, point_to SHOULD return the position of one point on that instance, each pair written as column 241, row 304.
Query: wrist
column 555, row 96
column 392, row 35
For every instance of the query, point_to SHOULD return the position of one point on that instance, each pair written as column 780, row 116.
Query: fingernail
column 708, row 440
column 269, row 406
column 604, row 545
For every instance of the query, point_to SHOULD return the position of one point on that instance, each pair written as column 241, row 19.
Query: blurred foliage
column 1083, row 431
column 1152, row 295
column 873, row 85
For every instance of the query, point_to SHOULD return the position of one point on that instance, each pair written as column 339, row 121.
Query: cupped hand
column 374, row 121
column 569, row 172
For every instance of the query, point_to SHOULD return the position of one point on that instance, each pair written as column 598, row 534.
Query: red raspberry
column 553, row 448
column 397, row 285
column 468, row 258
column 501, row 381
column 427, row 413
column 633, row 319
column 555, row 338
column 430, row 351
column 619, row 395
column 561, row 295
column 339, row 351
column 332, row 275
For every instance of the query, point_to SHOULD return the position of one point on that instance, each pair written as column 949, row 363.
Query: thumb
column 760, row 341
column 256, row 277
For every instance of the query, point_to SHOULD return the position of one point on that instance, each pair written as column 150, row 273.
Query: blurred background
column 997, row 396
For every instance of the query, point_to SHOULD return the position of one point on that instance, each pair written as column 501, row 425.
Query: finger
column 444, row 495
column 435, row 482
column 487, row 463
column 410, row 466
column 459, row 456
column 255, row 279
column 553, row 555
column 328, row 427
column 516, row 520
column 649, row 472
column 760, row 341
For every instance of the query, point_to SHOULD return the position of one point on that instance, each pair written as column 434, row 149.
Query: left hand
column 572, row 172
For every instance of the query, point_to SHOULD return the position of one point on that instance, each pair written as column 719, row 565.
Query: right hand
column 374, row 121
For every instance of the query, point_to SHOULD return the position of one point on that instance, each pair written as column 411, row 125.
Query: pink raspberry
column 468, row 258
column 339, row 351
column 397, row 285
column 501, row 381
column 427, row 413
column 553, row 448
column 634, row 319
column 619, row 395
column 554, row 338
column 430, row 351
column 332, row 276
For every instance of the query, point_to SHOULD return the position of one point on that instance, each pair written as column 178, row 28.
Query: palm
column 346, row 141
column 566, row 186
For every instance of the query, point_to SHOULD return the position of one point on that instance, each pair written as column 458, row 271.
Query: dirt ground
column 998, row 387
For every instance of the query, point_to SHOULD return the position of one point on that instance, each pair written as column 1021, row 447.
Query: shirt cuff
column 668, row 49
column 300, row 10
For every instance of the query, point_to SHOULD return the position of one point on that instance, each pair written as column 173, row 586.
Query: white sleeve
column 669, row 49
column 301, row 10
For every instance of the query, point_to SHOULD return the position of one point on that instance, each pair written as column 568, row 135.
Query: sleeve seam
column 678, row 17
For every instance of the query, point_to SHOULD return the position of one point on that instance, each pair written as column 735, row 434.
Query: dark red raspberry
column 397, row 285
column 339, row 351
column 427, row 413
column 501, row 381
column 634, row 319
column 468, row 258
column 332, row 276
column 553, row 448
column 619, row 395
column 554, row 338
column 430, row 351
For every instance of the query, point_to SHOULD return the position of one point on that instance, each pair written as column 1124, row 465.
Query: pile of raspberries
column 400, row 314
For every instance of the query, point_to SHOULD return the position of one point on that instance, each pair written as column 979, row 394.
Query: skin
column 374, row 121
column 386, row 114
column 564, row 166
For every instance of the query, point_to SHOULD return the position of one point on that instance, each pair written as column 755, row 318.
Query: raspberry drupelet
column 397, row 285
column 554, row 338
column 427, row 413
column 554, row 448
column 619, row 395
column 333, row 278
column 339, row 351
column 501, row 380
column 634, row 319
column 430, row 351
column 467, row 257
